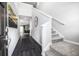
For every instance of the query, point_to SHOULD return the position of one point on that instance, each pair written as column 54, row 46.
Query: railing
column 58, row 21
column 43, row 13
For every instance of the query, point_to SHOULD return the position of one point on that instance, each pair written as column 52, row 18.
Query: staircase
column 57, row 46
column 56, row 36
column 60, row 47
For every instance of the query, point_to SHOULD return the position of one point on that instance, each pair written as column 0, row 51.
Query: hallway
column 39, row 32
column 27, row 47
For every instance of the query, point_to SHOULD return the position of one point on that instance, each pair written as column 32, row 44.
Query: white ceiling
column 31, row 3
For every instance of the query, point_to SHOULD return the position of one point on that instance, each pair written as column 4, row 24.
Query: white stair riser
column 55, row 35
column 57, row 40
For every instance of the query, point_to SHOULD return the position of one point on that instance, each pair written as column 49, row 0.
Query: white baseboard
column 71, row 42
column 47, row 48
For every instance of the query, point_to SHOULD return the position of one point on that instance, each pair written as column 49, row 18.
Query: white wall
column 13, row 34
column 68, row 13
column 24, row 20
column 36, row 31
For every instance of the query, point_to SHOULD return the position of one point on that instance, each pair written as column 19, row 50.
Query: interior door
column 3, row 19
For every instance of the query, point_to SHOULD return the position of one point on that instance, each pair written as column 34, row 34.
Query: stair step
column 55, row 35
column 53, row 31
column 52, row 52
column 65, row 48
column 57, row 39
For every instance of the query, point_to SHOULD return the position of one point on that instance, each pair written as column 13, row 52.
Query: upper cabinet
column 12, row 18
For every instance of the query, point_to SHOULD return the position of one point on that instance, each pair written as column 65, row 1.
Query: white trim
column 36, row 41
column 71, row 42
column 47, row 48
column 60, row 22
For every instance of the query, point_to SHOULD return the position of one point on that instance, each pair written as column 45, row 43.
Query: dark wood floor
column 27, row 47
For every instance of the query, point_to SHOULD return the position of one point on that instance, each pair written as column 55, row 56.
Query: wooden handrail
column 58, row 21
column 43, row 13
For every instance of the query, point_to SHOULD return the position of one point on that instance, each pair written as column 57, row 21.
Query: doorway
column 3, row 24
